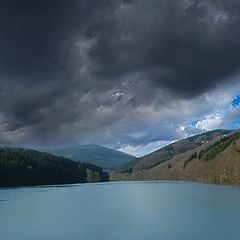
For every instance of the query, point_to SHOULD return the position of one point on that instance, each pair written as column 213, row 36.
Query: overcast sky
column 129, row 74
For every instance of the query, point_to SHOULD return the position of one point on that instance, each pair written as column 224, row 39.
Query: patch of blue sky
column 235, row 101
column 194, row 123
column 236, row 124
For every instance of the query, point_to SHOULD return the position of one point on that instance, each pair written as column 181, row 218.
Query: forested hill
column 20, row 167
column 104, row 157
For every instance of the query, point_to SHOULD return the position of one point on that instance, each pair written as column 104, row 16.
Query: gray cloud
column 184, row 46
column 110, row 72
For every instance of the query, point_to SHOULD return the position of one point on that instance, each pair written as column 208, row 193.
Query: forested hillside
column 104, row 157
column 20, row 166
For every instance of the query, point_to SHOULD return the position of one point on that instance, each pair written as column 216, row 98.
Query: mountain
column 212, row 157
column 169, row 151
column 20, row 167
column 107, row 158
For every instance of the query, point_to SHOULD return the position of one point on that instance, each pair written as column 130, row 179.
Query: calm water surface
column 123, row 210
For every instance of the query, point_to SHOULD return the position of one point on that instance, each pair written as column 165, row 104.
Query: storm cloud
column 115, row 72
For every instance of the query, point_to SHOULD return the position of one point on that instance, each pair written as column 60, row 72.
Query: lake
column 121, row 210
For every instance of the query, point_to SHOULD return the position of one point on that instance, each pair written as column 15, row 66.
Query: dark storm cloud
column 35, row 38
column 185, row 46
column 76, row 70
column 33, row 34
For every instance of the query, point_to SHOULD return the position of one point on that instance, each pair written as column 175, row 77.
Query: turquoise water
column 121, row 210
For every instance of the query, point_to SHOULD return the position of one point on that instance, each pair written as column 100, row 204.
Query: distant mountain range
column 208, row 157
column 107, row 158
column 212, row 157
column 21, row 167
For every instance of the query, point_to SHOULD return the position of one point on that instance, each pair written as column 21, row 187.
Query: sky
column 133, row 75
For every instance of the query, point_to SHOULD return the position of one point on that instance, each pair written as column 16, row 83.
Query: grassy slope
column 221, row 166
column 168, row 152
